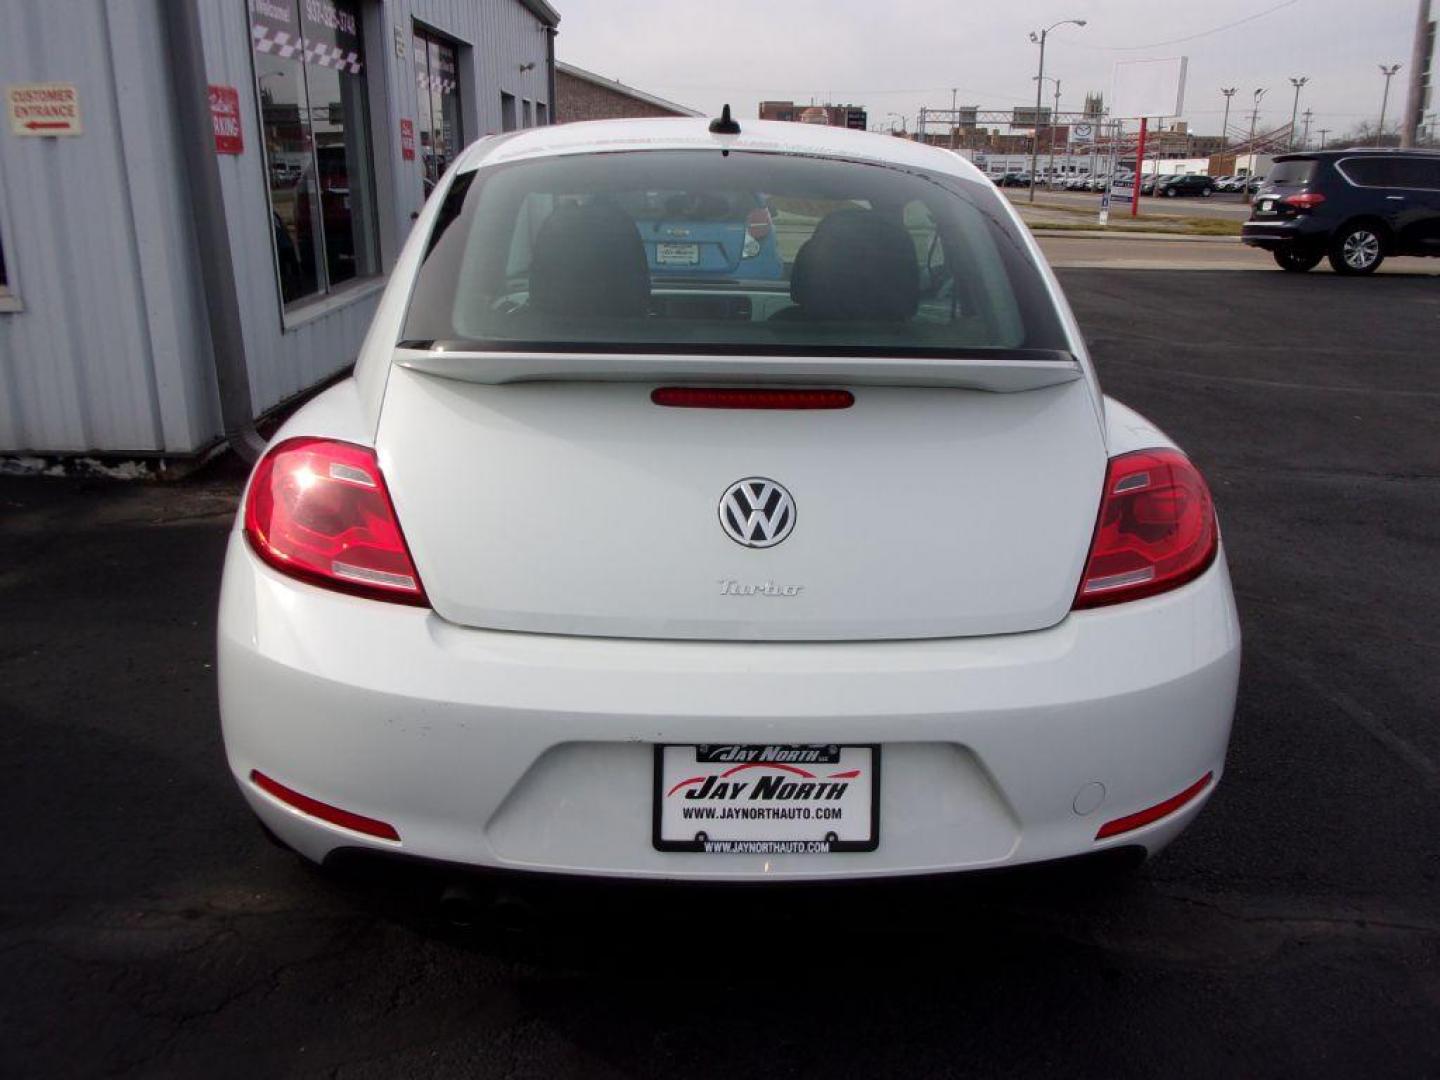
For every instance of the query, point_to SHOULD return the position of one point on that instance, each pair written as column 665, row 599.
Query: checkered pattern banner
column 325, row 33
column 318, row 52
column 442, row 83
column 286, row 45
column 280, row 43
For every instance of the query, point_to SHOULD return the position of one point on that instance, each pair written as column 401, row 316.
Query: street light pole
column 1039, row 39
column 1229, row 92
column 1295, row 108
column 1254, row 116
column 1389, row 73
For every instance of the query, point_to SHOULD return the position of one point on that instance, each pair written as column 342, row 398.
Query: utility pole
column 1050, row 168
column 1254, row 116
column 1295, row 108
column 1324, row 138
column 1410, row 126
column 954, row 127
column 1229, row 92
column 1389, row 73
column 1039, row 39
column 1305, row 139
column 1054, row 118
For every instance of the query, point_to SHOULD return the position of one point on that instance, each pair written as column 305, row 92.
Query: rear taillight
column 319, row 510
column 1305, row 201
column 757, row 228
column 1156, row 529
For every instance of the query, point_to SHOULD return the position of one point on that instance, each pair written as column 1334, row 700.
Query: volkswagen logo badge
column 757, row 512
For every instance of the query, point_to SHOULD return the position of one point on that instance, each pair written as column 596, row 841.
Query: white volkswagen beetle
column 624, row 554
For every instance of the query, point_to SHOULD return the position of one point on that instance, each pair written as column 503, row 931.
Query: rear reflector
column 324, row 811
column 720, row 397
column 1156, row 529
column 1156, row 812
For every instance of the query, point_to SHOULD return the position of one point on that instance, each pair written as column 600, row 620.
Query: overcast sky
column 897, row 55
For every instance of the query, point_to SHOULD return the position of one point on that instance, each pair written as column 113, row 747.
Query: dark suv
column 1353, row 206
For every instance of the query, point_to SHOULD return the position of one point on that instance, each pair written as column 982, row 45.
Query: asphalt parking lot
column 148, row 928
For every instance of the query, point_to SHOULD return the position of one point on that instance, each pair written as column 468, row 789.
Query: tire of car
column 1207, row 191
column 1170, row 193
column 1297, row 261
column 1358, row 248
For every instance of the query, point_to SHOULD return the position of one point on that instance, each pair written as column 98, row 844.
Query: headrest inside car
column 589, row 261
column 857, row 266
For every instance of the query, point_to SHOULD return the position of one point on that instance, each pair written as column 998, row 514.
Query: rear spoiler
column 1006, row 371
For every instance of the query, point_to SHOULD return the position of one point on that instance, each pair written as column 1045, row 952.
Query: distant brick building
column 583, row 95
column 846, row 116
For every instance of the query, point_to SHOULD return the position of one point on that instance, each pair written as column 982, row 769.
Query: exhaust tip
column 463, row 908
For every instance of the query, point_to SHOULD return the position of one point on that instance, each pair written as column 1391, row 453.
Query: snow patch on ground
column 81, row 467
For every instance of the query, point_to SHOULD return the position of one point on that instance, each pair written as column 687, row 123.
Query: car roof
column 1354, row 151
column 693, row 133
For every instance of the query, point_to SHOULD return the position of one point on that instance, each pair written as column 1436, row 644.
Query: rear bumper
column 534, row 752
column 1276, row 234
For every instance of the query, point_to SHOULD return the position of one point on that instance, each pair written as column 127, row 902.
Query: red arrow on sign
column 41, row 125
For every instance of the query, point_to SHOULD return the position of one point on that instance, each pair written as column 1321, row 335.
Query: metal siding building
column 104, row 333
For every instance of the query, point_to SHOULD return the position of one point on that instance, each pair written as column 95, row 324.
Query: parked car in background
column 1354, row 207
column 592, row 570
column 1187, row 184
column 706, row 234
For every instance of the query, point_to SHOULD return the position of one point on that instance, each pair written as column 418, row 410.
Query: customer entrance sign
column 44, row 109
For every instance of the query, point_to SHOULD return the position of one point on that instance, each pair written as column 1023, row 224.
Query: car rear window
column 696, row 251
column 1292, row 172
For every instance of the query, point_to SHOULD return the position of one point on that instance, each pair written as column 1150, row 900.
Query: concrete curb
column 1128, row 234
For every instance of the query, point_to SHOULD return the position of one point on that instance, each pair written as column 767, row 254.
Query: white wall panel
column 111, row 351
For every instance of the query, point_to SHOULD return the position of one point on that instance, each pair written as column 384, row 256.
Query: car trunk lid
column 572, row 503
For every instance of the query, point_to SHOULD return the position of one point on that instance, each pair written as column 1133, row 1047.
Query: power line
column 978, row 95
column 1188, row 37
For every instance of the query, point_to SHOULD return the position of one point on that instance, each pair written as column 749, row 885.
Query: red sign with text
column 407, row 139
column 225, row 116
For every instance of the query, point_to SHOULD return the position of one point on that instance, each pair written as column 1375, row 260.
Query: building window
column 507, row 111
column 310, row 74
column 437, row 104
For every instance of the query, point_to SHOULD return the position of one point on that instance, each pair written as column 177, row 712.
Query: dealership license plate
column 1267, row 205
column 777, row 799
column 678, row 254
